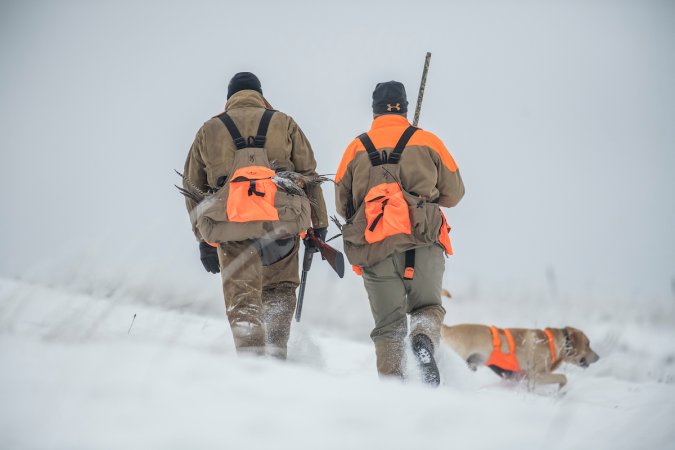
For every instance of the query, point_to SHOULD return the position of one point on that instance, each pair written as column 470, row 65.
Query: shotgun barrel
column 334, row 258
column 423, row 83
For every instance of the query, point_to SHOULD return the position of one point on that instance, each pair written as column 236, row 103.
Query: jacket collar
column 246, row 99
column 389, row 120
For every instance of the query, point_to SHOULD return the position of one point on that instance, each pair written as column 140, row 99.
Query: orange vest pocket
column 251, row 195
column 387, row 212
column 444, row 235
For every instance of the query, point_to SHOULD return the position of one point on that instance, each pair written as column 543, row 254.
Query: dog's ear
column 573, row 342
column 578, row 339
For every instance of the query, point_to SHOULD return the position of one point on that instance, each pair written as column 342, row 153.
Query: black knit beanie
column 241, row 81
column 390, row 98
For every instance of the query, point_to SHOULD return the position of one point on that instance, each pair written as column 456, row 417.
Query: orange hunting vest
column 508, row 361
column 505, row 361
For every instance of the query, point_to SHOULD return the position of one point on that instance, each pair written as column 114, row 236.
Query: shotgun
column 328, row 253
column 420, row 94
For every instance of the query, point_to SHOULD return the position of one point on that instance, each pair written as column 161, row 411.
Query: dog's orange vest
column 504, row 361
column 507, row 362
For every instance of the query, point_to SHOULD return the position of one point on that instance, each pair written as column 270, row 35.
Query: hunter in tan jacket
column 259, row 278
column 389, row 187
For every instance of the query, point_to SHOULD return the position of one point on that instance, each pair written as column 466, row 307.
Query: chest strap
column 261, row 136
column 375, row 157
column 551, row 344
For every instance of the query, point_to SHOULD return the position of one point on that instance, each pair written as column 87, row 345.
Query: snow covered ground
column 73, row 376
column 560, row 116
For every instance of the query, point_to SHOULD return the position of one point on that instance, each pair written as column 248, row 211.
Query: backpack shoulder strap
column 239, row 141
column 395, row 156
column 374, row 156
column 261, row 135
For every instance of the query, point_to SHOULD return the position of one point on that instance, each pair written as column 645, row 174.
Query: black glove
column 209, row 257
column 319, row 233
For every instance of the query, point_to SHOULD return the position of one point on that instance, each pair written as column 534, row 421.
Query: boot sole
column 428, row 366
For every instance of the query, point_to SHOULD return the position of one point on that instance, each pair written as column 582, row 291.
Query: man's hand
column 319, row 233
column 209, row 257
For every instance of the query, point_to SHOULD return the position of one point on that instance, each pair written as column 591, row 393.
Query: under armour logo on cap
column 389, row 98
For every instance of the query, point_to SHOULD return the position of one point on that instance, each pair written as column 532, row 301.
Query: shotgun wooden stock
column 328, row 253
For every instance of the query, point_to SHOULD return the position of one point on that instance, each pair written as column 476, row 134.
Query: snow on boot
column 423, row 349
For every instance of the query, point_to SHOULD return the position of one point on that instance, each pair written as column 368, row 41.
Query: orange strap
column 512, row 344
column 496, row 340
column 551, row 344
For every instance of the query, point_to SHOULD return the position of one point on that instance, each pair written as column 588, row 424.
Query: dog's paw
column 474, row 361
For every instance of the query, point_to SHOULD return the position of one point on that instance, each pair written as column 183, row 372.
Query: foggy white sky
column 559, row 114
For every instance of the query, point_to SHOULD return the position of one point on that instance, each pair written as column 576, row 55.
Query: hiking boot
column 423, row 349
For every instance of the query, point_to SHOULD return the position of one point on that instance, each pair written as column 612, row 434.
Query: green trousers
column 392, row 298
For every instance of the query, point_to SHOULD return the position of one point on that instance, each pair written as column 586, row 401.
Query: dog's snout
column 593, row 357
column 588, row 359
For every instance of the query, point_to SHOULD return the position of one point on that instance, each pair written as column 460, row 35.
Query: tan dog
column 537, row 352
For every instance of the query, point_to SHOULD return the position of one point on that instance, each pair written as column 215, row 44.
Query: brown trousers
column 392, row 298
column 260, row 300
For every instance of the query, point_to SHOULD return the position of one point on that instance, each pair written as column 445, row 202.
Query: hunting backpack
column 249, row 205
column 390, row 218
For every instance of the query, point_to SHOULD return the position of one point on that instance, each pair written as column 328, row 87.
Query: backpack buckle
column 240, row 142
column 259, row 141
